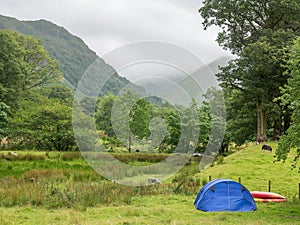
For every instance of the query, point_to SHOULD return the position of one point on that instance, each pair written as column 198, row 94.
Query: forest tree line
column 36, row 109
column 261, row 85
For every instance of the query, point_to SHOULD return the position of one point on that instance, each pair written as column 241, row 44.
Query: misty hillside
column 177, row 86
column 73, row 55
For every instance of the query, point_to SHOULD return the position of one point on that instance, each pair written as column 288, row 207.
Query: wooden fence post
column 239, row 180
column 269, row 189
column 299, row 191
column 209, row 178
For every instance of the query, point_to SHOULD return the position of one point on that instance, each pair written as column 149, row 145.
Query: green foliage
column 140, row 124
column 258, row 74
column 11, row 65
column 291, row 97
column 140, row 114
column 58, row 92
column 172, row 118
column 121, row 120
column 4, row 118
column 43, row 124
column 24, row 64
column 259, row 33
column 189, row 124
column 204, row 125
column 241, row 119
column 103, row 114
column 88, row 105
column 244, row 22
column 25, row 67
column 215, row 99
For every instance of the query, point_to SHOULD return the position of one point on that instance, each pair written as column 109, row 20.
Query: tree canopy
column 291, row 98
column 34, row 112
column 43, row 124
column 24, row 64
column 259, row 33
column 243, row 22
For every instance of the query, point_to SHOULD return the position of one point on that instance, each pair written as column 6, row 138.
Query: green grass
column 19, row 167
column 175, row 209
column 65, row 190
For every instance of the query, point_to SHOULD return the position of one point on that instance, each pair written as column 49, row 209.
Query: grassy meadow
column 61, row 188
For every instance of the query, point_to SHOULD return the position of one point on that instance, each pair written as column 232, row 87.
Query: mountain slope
column 71, row 52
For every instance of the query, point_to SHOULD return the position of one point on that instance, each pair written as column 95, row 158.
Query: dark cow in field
column 223, row 148
column 260, row 140
column 267, row 148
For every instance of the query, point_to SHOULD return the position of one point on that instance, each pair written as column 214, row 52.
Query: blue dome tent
column 224, row 195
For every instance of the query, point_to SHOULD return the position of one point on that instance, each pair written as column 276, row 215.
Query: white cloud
column 107, row 24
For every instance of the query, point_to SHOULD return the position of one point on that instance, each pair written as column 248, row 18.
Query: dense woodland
column 260, row 86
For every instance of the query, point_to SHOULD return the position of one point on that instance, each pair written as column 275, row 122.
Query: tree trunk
column 261, row 122
column 277, row 128
column 129, row 141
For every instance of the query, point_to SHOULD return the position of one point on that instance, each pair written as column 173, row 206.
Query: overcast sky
column 108, row 24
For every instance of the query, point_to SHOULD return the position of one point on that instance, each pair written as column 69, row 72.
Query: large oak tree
column 259, row 33
column 24, row 65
